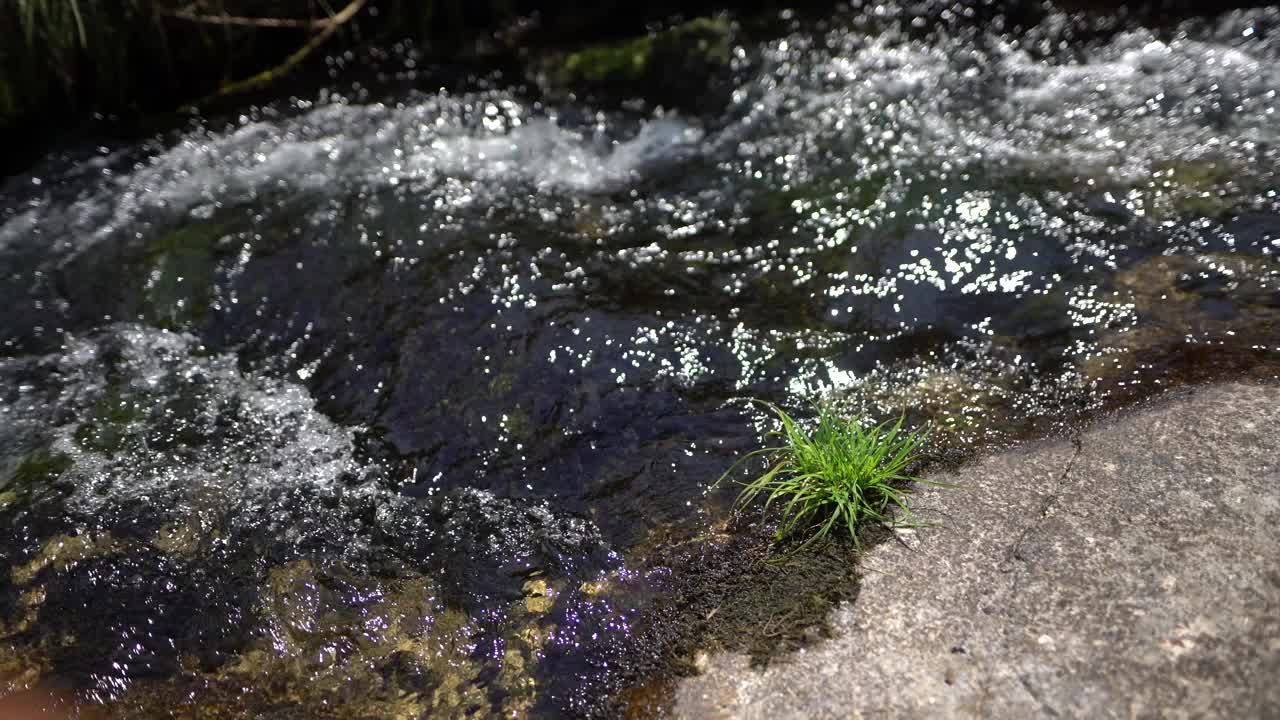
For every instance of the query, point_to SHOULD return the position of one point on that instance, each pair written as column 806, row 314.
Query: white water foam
column 491, row 144
column 887, row 104
column 243, row 436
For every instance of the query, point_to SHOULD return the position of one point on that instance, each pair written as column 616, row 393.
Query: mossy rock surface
column 37, row 472
column 685, row 66
column 41, row 466
column 1173, row 190
column 182, row 269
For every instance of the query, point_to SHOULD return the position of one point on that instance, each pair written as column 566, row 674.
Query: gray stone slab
column 1133, row 571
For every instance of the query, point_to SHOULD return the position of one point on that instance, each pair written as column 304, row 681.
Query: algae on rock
column 683, row 66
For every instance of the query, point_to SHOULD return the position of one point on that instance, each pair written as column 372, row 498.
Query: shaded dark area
column 65, row 64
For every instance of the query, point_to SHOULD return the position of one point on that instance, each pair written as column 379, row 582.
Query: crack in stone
column 1015, row 554
column 1035, row 695
column 1046, row 508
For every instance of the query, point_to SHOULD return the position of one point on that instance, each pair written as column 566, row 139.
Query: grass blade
column 839, row 474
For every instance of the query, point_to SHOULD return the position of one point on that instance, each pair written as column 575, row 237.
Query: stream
column 383, row 401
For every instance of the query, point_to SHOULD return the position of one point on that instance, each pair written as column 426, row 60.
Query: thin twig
column 266, row 77
column 262, row 22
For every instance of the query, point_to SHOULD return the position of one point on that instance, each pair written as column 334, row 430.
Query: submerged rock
column 490, row 547
column 1215, row 298
column 37, row 471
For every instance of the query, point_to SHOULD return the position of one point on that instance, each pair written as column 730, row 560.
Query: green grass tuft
column 833, row 478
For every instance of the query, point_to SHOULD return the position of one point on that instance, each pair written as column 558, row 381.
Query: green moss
column 678, row 65
column 1204, row 187
column 109, row 425
column 33, row 478
column 600, row 64
column 182, row 269
column 704, row 38
column 1200, row 188
column 518, row 424
column 501, row 383
column 37, row 468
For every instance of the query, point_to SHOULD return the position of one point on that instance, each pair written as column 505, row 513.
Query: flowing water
column 393, row 403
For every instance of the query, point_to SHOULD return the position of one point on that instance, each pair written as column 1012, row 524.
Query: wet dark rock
column 1206, row 283
column 136, row 614
column 686, row 66
column 1218, row 295
column 713, row 592
column 1218, row 310
column 485, row 547
column 1039, row 321
column 1110, row 210
column 38, row 469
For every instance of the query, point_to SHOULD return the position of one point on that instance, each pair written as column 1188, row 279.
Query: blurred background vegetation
column 72, row 57
column 63, row 60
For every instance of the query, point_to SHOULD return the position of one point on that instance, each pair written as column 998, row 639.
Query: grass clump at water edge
column 833, row 478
